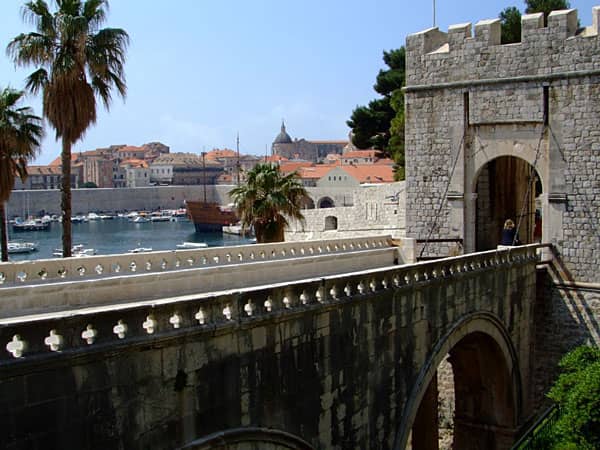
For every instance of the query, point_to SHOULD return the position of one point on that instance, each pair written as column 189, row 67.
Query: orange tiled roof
column 220, row 153
column 44, row 170
column 276, row 158
column 360, row 154
column 364, row 173
column 134, row 163
column 131, row 148
column 315, row 172
column 291, row 166
column 369, row 173
column 385, row 162
column 57, row 161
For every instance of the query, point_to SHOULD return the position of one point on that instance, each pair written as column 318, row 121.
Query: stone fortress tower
column 499, row 131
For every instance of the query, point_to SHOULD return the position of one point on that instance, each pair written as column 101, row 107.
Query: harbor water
column 119, row 236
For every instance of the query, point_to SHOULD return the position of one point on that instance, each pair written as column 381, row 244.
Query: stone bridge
column 310, row 345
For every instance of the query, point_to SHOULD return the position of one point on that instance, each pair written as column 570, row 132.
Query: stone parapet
column 337, row 360
column 221, row 307
column 40, row 286
column 435, row 58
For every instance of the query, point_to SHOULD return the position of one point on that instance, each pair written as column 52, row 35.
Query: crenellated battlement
column 435, row 57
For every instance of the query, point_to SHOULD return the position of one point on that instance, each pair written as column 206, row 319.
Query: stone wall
column 470, row 100
column 566, row 315
column 376, row 210
column 22, row 203
column 338, row 361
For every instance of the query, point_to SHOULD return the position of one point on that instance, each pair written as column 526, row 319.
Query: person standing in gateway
column 509, row 234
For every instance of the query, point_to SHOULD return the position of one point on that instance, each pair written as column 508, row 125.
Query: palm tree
column 266, row 199
column 76, row 60
column 20, row 135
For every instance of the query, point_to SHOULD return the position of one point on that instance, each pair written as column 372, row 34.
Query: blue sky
column 200, row 71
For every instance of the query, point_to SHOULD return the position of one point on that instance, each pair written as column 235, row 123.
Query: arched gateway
column 487, row 389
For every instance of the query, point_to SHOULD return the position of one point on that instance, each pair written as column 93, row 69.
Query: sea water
column 119, row 236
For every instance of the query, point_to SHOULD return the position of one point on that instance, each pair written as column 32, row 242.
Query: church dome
column 283, row 137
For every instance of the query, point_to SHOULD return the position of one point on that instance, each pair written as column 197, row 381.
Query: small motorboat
column 140, row 219
column 140, row 250
column 191, row 245
column 79, row 219
column 15, row 247
column 31, row 225
column 77, row 251
column 157, row 218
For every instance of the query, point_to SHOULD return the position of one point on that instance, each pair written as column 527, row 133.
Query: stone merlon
column 435, row 57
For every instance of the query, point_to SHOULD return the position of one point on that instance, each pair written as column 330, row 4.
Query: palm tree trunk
column 65, row 204
column 3, row 233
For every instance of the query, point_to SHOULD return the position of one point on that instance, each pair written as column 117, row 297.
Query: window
column 331, row 223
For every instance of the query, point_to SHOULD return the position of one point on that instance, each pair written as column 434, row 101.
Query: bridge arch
column 241, row 438
column 500, row 379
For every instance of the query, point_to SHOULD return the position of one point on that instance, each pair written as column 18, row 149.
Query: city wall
column 338, row 361
column 22, row 203
column 375, row 210
column 470, row 100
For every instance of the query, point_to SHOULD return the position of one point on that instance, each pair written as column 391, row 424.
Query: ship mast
column 204, row 174
column 237, row 144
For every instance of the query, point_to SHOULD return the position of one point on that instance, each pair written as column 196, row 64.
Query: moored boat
column 210, row 217
column 140, row 250
column 77, row 251
column 31, row 225
column 15, row 247
column 191, row 245
column 139, row 219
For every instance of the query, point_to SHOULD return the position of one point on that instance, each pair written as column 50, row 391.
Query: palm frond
column 37, row 81
column 266, row 201
column 95, row 12
column 37, row 13
column 31, row 48
column 20, row 135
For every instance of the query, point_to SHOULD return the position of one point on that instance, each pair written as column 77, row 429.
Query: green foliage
column 370, row 124
column 511, row 17
column 380, row 125
column 577, row 392
column 545, row 6
column 396, row 142
column 510, row 20
column 88, row 185
column 20, row 135
column 75, row 62
column 266, row 199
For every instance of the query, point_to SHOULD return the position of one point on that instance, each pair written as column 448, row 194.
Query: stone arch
column 325, row 202
column 331, row 223
column 242, row 438
column 523, row 145
column 530, row 143
column 506, row 187
column 472, row 329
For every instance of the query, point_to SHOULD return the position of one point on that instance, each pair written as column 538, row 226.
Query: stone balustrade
column 99, row 328
column 63, row 269
column 43, row 286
